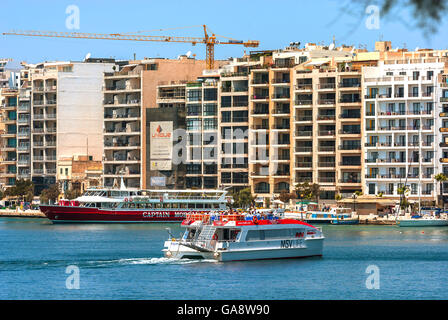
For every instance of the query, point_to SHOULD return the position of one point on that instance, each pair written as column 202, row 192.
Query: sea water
column 125, row 261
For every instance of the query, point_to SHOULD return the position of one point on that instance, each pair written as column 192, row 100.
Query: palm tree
column 441, row 178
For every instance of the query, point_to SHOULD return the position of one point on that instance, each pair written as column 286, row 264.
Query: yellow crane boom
column 209, row 41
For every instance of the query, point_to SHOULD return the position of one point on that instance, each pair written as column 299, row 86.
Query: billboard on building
column 161, row 145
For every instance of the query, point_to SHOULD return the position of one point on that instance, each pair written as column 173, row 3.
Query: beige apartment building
column 128, row 92
column 8, row 137
column 305, row 121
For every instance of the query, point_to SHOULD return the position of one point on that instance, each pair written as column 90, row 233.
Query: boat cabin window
column 182, row 205
column 255, row 235
column 274, row 234
column 157, row 205
column 225, row 234
column 199, row 205
column 115, row 194
column 166, row 205
column 191, row 206
column 189, row 234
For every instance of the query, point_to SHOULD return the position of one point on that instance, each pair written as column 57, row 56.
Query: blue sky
column 274, row 23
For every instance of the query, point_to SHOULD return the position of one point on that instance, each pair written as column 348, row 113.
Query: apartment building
column 404, row 123
column 8, row 137
column 305, row 121
column 4, row 76
column 233, row 122
column 24, row 141
column 443, row 120
column 66, row 114
column 128, row 91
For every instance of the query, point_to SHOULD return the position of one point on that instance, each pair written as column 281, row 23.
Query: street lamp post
column 354, row 196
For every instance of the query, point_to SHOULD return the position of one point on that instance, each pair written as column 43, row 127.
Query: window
column 255, row 235
column 226, row 116
column 193, row 124
column 415, row 75
column 194, row 110
column 210, row 124
column 194, row 95
column 226, row 101
column 151, row 66
column 210, row 94
column 210, row 109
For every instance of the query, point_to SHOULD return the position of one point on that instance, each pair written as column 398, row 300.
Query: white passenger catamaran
column 230, row 237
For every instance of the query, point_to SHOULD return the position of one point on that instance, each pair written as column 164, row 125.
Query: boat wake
column 163, row 260
column 145, row 261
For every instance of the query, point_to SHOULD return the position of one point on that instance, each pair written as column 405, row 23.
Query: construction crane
column 208, row 40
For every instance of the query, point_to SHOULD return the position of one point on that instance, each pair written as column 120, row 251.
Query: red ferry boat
column 139, row 206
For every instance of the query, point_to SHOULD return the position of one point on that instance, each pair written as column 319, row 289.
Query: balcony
column 327, row 179
column 327, row 149
column 349, row 100
column 351, row 164
column 279, row 63
column 262, row 81
column 326, row 117
column 303, row 149
column 324, row 86
column 304, row 164
column 110, row 103
column 260, row 127
column 23, row 147
column 303, row 118
column 350, row 181
column 23, row 120
column 281, row 126
column 343, row 131
column 281, row 111
column 326, row 101
column 304, row 133
column 260, row 97
column 327, row 164
column 280, row 96
column 350, row 115
column 350, row 147
column 280, row 81
column 303, row 87
column 327, row 132
column 354, row 85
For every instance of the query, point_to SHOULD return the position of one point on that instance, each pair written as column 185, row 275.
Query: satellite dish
column 188, row 54
column 416, row 49
column 87, row 56
column 331, row 47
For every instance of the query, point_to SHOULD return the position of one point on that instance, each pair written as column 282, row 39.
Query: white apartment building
column 65, row 117
column 401, row 127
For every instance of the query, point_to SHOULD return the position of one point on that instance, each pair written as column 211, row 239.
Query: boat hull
column 68, row 214
column 422, row 223
column 312, row 247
